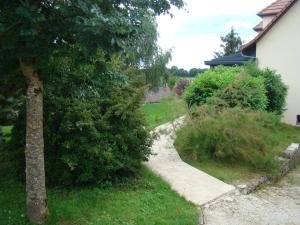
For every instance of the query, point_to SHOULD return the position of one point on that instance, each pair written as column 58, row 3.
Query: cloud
column 190, row 51
column 195, row 32
column 228, row 7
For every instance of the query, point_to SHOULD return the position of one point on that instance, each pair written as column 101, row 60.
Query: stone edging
column 290, row 158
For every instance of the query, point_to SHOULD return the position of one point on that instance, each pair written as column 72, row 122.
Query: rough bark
column 34, row 150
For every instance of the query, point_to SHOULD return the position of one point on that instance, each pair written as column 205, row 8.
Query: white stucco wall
column 279, row 49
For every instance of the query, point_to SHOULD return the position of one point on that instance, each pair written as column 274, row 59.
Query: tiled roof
column 274, row 8
column 258, row 27
column 270, row 25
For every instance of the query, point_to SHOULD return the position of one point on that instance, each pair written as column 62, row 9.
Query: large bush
column 232, row 85
column 209, row 83
column 233, row 135
column 276, row 90
column 93, row 128
column 259, row 89
column 245, row 91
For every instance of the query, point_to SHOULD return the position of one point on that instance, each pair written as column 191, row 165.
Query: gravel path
column 273, row 205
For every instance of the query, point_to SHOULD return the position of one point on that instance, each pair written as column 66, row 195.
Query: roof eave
column 257, row 30
column 266, row 14
column 209, row 63
column 269, row 26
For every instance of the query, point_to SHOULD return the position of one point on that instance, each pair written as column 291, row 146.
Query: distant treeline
column 174, row 70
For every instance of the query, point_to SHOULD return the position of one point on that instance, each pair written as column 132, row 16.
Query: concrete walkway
column 193, row 184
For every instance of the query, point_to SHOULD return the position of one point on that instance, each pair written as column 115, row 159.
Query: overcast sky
column 194, row 33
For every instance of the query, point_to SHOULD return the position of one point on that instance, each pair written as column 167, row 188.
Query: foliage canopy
column 210, row 82
column 276, row 90
column 92, row 134
column 247, row 87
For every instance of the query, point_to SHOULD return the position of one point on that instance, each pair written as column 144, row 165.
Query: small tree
column 231, row 44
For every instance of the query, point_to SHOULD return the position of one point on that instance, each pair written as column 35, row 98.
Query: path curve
column 196, row 186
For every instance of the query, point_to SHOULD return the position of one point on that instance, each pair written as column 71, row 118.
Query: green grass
column 146, row 200
column 168, row 109
column 227, row 172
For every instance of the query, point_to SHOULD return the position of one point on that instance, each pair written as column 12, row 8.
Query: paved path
column 193, row 184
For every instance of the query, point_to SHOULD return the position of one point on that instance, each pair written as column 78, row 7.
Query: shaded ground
column 273, row 205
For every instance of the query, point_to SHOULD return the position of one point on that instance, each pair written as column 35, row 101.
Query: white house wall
column 279, row 49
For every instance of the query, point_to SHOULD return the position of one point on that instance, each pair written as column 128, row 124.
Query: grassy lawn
column 168, row 109
column 144, row 201
column 231, row 173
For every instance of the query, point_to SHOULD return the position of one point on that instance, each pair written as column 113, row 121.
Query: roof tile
column 258, row 27
column 274, row 8
column 271, row 24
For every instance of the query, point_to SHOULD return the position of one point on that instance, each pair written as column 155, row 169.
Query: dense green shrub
column 232, row 85
column 93, row 128
column 209, row 83
column 245, row 91
column 276, row 90
column 233, row 135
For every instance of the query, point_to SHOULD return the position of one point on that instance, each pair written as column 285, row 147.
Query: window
column 298, row 120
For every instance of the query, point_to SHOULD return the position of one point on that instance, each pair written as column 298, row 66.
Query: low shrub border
column 291, row 157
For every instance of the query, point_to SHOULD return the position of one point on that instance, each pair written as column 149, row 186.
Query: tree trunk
column 36, row 203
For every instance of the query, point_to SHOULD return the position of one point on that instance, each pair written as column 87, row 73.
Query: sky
column 194, row 34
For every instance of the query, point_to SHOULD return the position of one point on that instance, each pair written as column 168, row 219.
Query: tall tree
column 142, row 58
column 231, row 44
column 34, row 31
column 156, row 72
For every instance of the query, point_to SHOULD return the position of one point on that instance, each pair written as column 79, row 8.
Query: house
column 277, row 46
column 228, row 60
